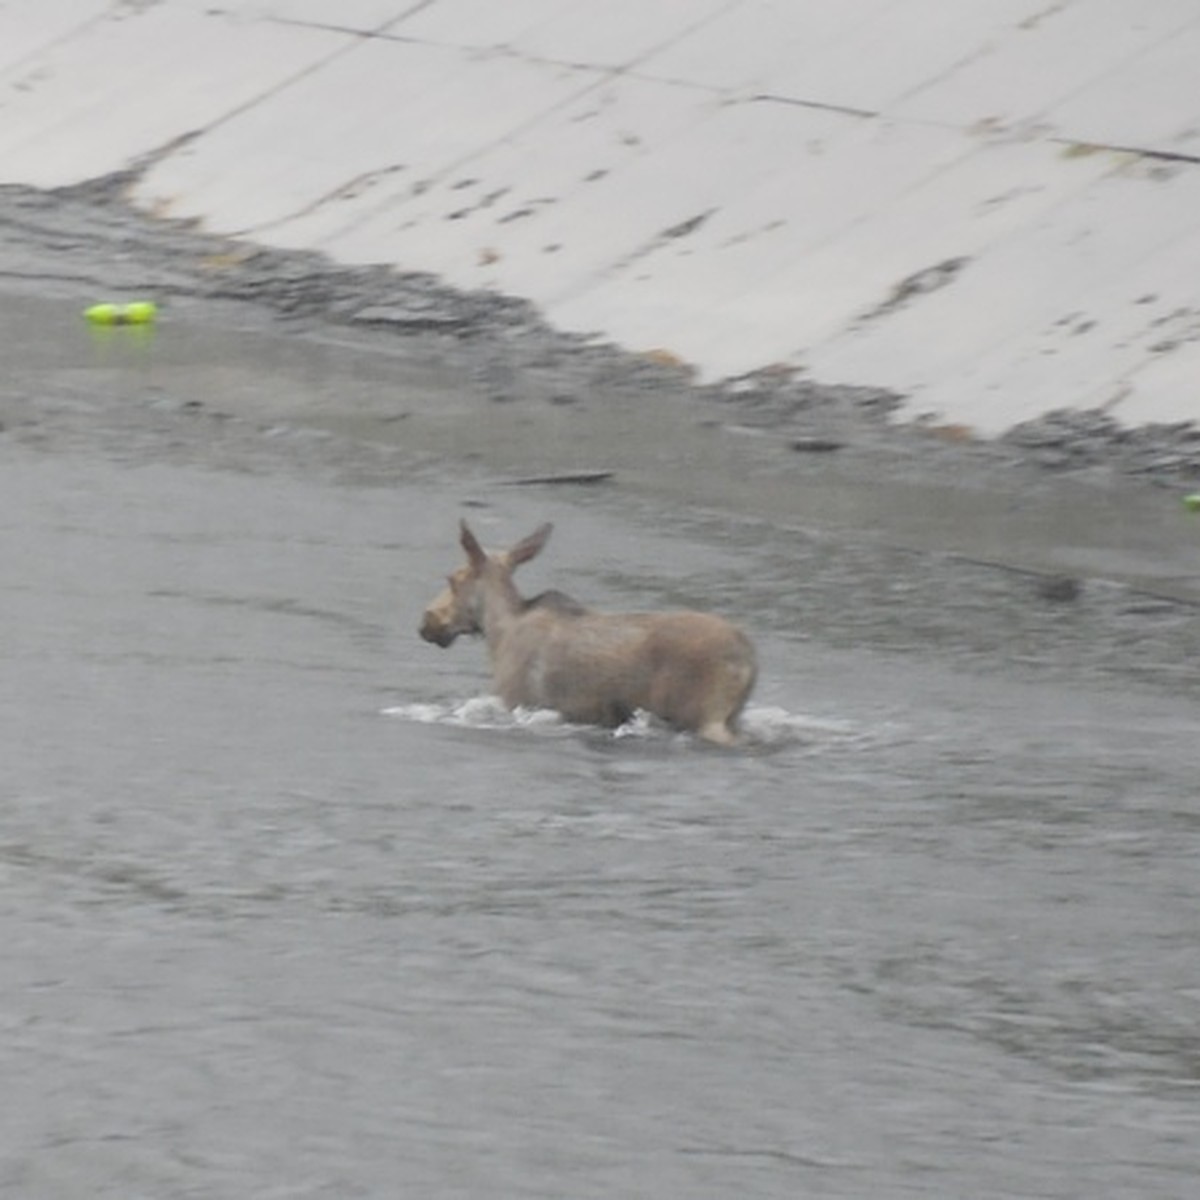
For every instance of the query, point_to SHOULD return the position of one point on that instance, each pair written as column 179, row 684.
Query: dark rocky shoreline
column 90, row 238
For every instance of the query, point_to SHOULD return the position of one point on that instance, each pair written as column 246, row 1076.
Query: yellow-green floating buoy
column 138, row 312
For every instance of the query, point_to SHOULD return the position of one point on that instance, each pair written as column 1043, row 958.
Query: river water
column 291, row 909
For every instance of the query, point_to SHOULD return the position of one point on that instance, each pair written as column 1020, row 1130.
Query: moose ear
column 475, row 552
column 529, row 547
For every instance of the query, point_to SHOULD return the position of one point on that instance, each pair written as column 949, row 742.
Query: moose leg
column 718, row 733
column 727, row 696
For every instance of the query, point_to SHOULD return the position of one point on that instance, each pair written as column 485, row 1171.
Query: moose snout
column 435, row 631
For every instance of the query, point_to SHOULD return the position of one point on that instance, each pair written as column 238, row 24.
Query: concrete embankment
column 993, row 210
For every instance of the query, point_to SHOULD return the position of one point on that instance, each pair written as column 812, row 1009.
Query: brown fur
column 692, row 670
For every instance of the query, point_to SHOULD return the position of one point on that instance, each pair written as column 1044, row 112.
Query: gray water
column 291, row 910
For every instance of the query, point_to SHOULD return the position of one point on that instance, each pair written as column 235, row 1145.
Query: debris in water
column 576, row 477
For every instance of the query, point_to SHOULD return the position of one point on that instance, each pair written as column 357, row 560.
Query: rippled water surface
column 292, row 909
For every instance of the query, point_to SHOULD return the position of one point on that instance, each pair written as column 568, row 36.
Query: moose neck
column 502, row 604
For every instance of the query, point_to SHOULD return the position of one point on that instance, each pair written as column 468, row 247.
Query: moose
column 692, row 670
